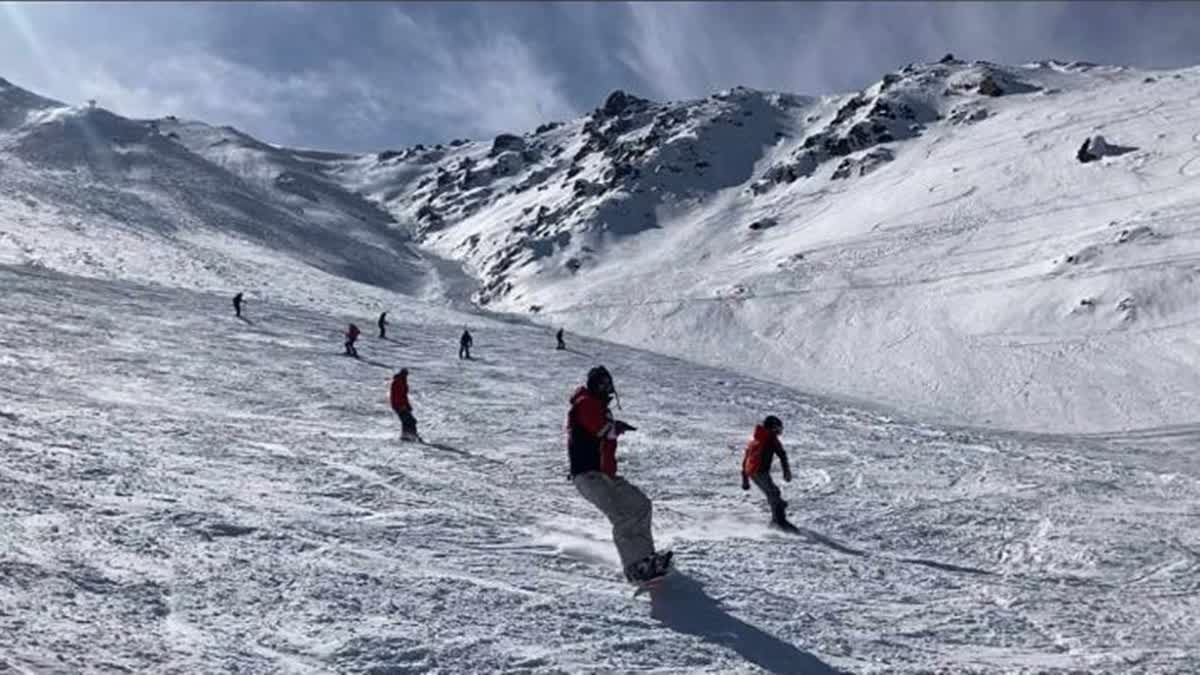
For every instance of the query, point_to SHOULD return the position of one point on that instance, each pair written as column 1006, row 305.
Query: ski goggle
column 776, row 428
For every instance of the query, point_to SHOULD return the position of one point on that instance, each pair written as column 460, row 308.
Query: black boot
column 779, row 517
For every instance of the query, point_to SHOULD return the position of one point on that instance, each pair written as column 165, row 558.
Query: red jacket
column 400, row 394
column 763, row 446
column 591, row 436
column 352, row 332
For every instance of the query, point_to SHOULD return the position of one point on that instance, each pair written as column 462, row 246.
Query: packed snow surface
column 187, row 492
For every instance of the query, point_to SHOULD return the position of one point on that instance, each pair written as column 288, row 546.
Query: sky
column 372, row 76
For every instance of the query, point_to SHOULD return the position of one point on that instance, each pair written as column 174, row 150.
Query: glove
column 622, row 427
column 745, row 482
column 787, row 475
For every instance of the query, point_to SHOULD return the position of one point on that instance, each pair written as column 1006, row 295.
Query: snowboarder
column 351, row 336
column 592, row 449
column 237, row 304
column 764, row 446
column 383, row 325
column 464, row 345
column 561, row 344
column 400, row 404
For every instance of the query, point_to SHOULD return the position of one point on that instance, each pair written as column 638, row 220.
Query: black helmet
column 773, row 423
column 599, row 381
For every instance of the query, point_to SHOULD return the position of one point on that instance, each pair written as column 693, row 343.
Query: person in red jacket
column 351, row 336
column 764, row 446
column 400, row 404
column 592, row 449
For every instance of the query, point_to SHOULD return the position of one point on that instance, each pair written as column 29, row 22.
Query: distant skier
column 592, row 449
column 237, row 304
column 383, row 325
column 559, row 335
column 765, row 445
column 400, row 404
column 351, row 337
column 464, row 345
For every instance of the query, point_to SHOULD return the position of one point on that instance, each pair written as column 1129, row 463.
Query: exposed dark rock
column 1096, row 147
column 847, row 110
column 763, row 224
column 864, row 165
column 988, row 87
column 506, row 142
column 619, row 103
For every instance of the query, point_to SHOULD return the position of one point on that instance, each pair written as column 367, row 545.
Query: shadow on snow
column 682, row 605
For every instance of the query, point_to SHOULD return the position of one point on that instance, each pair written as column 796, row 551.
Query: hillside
column 91, row 193
column 901, row 244
column 931, row 243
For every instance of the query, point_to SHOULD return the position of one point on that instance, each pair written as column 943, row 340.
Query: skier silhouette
column 237, row 304
column 561, row 344
column 464, row 345
column 383, row 325
column 403, row 408
column 351, row 336
column 764, row 445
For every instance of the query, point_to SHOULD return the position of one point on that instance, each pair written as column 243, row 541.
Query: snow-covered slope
column 88, row 192
column 187, row 493
column 931, row 242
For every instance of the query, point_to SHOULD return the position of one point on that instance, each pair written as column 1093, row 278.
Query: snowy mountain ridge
column 899, row 244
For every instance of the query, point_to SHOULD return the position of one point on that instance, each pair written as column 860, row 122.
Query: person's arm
column 783, row 461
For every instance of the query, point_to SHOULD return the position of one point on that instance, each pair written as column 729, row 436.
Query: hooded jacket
column 591, row 434
column 400, row 394
column 761, row 449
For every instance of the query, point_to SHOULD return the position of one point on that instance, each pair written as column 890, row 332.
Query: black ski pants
column 774, row 497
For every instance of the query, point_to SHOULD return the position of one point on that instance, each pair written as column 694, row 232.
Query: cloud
column 368, row 76
column 478, row 79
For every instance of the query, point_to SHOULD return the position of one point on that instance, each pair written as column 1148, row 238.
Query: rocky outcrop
column 505, row 143
column 1096, row 147
column 861, row 166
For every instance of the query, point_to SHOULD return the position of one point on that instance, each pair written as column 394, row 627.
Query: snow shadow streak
column 819, row 538
column 682, row 605
column 451, row 449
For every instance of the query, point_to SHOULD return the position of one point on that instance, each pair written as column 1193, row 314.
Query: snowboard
column 650, row 584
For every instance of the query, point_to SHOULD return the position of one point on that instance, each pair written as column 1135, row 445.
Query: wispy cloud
column 478, row 79
column 366, row 76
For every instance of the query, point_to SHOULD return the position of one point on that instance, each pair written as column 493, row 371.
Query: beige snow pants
column 627, row 508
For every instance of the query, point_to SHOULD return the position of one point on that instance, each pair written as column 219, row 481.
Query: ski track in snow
column 184, row 492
